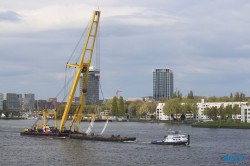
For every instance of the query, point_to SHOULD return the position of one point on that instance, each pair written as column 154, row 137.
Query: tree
column 163, row 99
column 142, row 110
column 121, row 106
column 151, row 107
column 132, row 109
column 228, row 111
column 221, row 112
column 212, row 99
column 190, row 95
column 224, row 99
column 212, row 112
column 172, row 106
column 189, row 106
column 114, row 109
column 231, row 95
column 239, row 96
column 236, row 109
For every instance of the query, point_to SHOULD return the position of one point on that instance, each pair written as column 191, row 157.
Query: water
column 208, row 146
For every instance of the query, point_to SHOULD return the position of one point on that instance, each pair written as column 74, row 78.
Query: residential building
column 245, row 114
column 29, row 102
column 40, row 105
column 160, row 115
column 203, row 105
column 1, row 101
column 135, row 99
column 92, row 95
column 163, row 83
column 11, row 102
column 201, row 108
column 51, row 103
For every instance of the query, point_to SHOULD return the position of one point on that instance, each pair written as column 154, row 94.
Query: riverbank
column 222, row 124
column 162, row 121
column 11, row 118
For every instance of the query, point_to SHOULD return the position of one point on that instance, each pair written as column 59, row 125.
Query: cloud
column 9, row 16
column 205, row 43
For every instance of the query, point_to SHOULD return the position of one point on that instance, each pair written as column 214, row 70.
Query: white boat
column 174, row 138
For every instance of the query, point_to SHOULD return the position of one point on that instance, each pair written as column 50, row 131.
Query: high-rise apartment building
column 92, row 95
column 163, row 83
column 11, row 102
column 1, row 101
column 29, row 102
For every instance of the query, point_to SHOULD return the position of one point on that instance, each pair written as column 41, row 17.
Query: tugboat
column 173, row 138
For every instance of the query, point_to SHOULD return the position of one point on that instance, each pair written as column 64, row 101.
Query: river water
column 207, row 147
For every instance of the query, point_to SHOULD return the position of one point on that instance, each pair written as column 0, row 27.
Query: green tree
column 163, row 99
column 221, row 112
column 224, row 99
column 121, row 106
column 132, row 109
column 212, row 112
column 189, row 107
column 228, row 111
column 212, row 99
column 239, row 96
column 142, row 111
column 151, row 107
column 231, row 96
column 236, row 110
column 114, row 109
column 190, row 95
column 172, row 106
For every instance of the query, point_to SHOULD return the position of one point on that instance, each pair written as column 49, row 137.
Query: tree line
column 222, row 113
column 139, row 109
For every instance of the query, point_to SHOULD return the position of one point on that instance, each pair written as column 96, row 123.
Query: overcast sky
column 205, row 42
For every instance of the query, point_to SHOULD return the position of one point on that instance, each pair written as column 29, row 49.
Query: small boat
column 112, row 138
column 174, row 138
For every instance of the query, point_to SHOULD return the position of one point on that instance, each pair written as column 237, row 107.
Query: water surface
column 208, row 146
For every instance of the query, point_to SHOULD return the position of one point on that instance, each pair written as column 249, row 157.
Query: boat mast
column 82, row 67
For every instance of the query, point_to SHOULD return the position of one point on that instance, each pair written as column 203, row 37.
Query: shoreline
column 222, row 124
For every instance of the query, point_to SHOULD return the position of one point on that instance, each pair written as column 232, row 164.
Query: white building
column 161, row 116
column 201, row 108
column 245, row 114
column 203, row 105
column 160, row 113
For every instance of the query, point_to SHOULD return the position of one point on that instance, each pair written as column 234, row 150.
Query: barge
column 93, row 137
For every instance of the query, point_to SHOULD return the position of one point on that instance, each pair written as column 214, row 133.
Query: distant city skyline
column 206, row 44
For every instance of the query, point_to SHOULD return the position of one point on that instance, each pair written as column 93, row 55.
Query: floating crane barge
column 82, row 67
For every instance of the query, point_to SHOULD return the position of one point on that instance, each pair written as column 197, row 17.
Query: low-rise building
column 160, row 115
column 245, row 114
column 203, row 105
column 201, row 108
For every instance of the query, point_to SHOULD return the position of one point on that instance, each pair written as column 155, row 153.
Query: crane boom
column 83, row 66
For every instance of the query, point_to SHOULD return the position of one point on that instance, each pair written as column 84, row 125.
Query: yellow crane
column 82, row 67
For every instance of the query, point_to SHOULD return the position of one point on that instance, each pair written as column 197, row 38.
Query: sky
column 206, row 44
